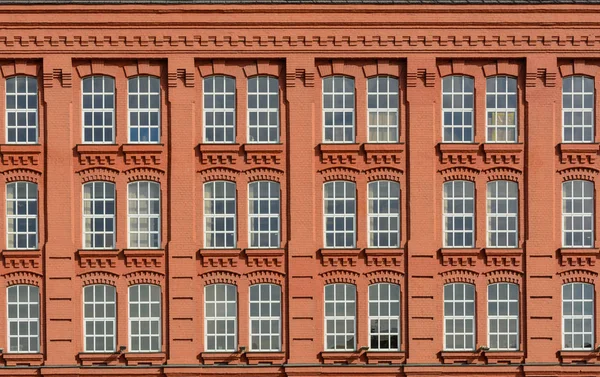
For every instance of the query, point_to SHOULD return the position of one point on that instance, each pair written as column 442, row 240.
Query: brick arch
column 219, row 174
column 459, row 173
column 98, row 277
column 98, row 174
column 339, row 174
column 385, row 276
column 23, row 277
column 94, row 67
column 144, row 174
column 504, row 276
column 503, row 174
column 219, row 67
column 19, row 67
column 220, row 277
column 263, row 67
column 383, row 67
column 586, row 174
column 459, row 276
column 264, row 174
column 27, row 175
column 384, row 174
column 338, row 67
column 143, row 67
column 577, row 67
column 501, row 67
column 144, row 277
column 265, row 276
column 340, row 276
column 456, row 67
column 578, row 276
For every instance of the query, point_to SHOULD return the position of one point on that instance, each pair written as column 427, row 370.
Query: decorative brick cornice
column 459, row 276
column 219, row 257
column 504, row 276
column 23, row 277
column 17, row 175
column 451, row 153
column 503, row 154
column 224, row 277
column 92, row 155
column 219, row 174
column 459, row 173
column 98, row 174
column 459, row 256
column 21, row 259
column 264, row 257
column 97, row 258
column 265, row 276
column 339, row 257
column 339, row 174
column 144, row 277
column 582, row 257
column 144, row 174
column 385, row 276
column 578, row 276
column 264, row 174
column 339, row 153
column 144, row 258
column 19, row 155
column 579, row 153
column 143, row 154
column 99, row 277
column 587, row 174
column 383, row 153
column 340, row 276
column 219, row 154
column 384, row 257
column 510, row 257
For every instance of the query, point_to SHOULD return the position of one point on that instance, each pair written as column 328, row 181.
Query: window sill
column 142, row 154
column 223, row 358
column 578, row 256
column 508, row 257
column 145, row 358
column 578, row 153
column 504, row 357
column 22, row 258
column 255, row 358
column 342, row 153
column 384, row 257
column 144, row 257
column 20, row 154
column 387, row 153
column 98, row 258
column 460, row 357
column 339, row 257
column 458, row 153
column 386, row 357
column 263, row 154
column 91, row 358
column 264, row 257
column 340, row 357
column 578, row 357
column 219, row 154
column 503, row 153
column 220, row 257
column 459, row 256
column 97, row 154
column 23, row 359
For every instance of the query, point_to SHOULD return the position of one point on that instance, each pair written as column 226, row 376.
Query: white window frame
column 31, row 205
column 108, row 98
column 496, row 113
column 511, row 303
column 26, row 110
column 227, row 302
column 499, row 213
column 33, row 322
column 578, row 317
column 584, row 214
column 452, row 93
column 349, row 188
column 103, row 217
column 458, row 317
column 144, row 216
column 347, row 95
column 465, row 199
column 213, row 217
column 348, row 303
column 273, row 196
column 384, row 204
column 375, row 95
column 102, row 319
column 145, row 319
column 224, row 110
column 270, row 107
column 140, row 110
column 380, row 303
column 272, row 304
column 588, row 104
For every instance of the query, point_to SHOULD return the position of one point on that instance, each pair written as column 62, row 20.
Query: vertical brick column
column 423, row 295
column 61, row 290
column 183, row 289
column 303, row 290
column 543, row 213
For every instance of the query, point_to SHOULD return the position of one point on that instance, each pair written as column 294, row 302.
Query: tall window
column 263, row 109
column 457, row 105
column 578, row 316
column 503, row 316
column 578, row 109
column 459, row 215
column 265, row 317
column 340, row 317
column 100, row 318
column 578, row 214
column 340, row 213
column 144, row 109
column 22, row 110
column 98, row 109
column 22, row 215
column 219, row 215
column 264, row 213
column 24, row 319
column 99, row 215
column 338, row 109
column 501, row 105
column 144, row 318
column 219, row 109
column 502, row 213
column 221, row 317
column 384, row 214
column 384, row 317
column 459, row 317
column 382, row 101
column 144, row 214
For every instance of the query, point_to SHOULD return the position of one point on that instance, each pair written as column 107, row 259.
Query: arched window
column 23, row 319
column 384, row 317
column 578, row 109
column 503, row 317
column 501, row 106
column 100, row 318
column 340, row 214
column 220, row 317
column 144, row 318
column 98, row 97
column 340, row 317
column 265, row 317
column 263, row 210
column 459, row 214
column 144, row 109
column 578, row 316
column 459, row 317
column 457, row 106
column 578, row 213
column 502, row 213
column 338, row 109
column 144, row 214
column 382, row 103
column 21, row 110
column 219, row 215
column 22, row 215
column 99, row 215
column 384, row 214
column 263, row 109
column 219, row 109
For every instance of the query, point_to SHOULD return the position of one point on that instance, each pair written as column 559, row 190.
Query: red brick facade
column 299, row 45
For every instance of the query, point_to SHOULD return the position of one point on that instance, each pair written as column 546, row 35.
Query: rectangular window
column 578, row 109
column 578, row 214
column 98, row 109
column 501, row 106
column 459, row 215
column 338, row 109
column 457, row 106
column 264, row 214
column 219, row 215
column 144, row 110
column 340, row 317
column 578, row 316
column 144, row 215
column 21, row 110
column 23, row 319
column 459, row 317
column 263, row 109
column 219, row 109
column 503, row 317
column 99, row 215
column 340, row 213
column 384, row 214
column 221, row 317
column 99, row 316
column 22, row 215
column 502, row 213
column 384, row 317
column 382, row 103
column 265, row 317
column 144, row 318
